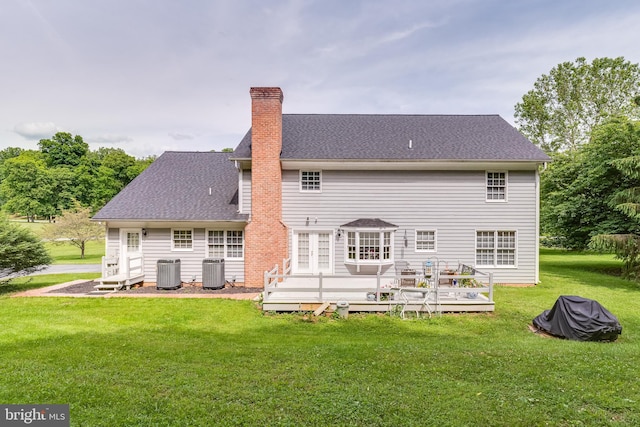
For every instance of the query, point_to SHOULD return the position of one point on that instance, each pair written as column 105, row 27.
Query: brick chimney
column 266, row 237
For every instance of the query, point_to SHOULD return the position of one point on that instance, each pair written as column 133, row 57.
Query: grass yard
column 65, row 253
column 188, row 362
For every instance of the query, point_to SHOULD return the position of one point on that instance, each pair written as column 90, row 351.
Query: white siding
column 452, row 203
column 113, row 242
column 156, row 245
column 246, row 192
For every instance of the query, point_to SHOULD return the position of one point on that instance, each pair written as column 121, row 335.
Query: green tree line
column 43, row 183
column 586, row 117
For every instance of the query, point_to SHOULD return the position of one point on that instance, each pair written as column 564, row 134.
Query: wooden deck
column 372, row 294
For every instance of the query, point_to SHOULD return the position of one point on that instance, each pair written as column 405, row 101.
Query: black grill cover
column 578, row 318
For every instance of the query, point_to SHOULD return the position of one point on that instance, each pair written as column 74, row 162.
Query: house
column 346, row 195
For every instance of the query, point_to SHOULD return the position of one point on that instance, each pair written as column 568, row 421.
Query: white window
column 235, row 244
column 373, row 246
column 133, row 242
column 496, row 186
column 425, row 240
column 215, row 242
column 496, row 248
column 225, row 244
column 182, row 240
column 310, row 181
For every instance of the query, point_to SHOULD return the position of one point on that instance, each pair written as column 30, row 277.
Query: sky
column 149, row 76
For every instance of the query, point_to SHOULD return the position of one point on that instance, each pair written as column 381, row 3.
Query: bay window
column 369, row 247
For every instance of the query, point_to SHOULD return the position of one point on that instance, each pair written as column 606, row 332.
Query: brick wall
column 266, row 235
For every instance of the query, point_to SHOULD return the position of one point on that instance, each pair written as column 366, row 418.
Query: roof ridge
column 197, row 152
column 393, row 115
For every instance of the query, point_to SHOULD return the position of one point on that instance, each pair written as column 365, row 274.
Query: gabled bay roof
column 359, row 137
column 180, row 186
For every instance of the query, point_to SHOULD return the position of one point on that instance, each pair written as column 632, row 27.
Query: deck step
column 321, row 309
column 105, row 288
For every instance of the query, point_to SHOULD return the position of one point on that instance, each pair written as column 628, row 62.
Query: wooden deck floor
column 303, row 294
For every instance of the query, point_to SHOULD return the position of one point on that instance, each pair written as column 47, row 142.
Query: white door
column 313, row 252
column 130, row 250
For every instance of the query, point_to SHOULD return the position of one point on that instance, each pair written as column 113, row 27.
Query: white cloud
column 37, row 130
column 128, row 74
column 180, row 136
column 109, row 139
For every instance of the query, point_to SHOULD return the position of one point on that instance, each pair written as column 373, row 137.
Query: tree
column 139, row 166
column 626, row 246
column 30, row 188
column 63, row 149
column 7, row 153
column 21, row 252
column 565, row 105
column 26, row 186
column 10, row 153
column 105, row 186
column 74, row 226
column 580, row 190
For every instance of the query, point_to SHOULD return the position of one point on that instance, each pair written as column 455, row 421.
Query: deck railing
column 272, row 278
column 385, row 286
column 286, row 267
column 110, row 266
column 134, row 266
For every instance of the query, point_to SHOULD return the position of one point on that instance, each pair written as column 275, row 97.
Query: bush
column 21, row 252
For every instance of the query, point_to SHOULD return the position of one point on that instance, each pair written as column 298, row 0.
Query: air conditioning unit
column 213, row 273
column 168, row 274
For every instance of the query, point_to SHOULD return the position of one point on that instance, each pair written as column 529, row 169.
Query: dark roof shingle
column 386, row 137
column 188, row 186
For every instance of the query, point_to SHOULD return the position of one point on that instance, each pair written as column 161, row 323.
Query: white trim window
column 182, row 239
column 496, row 248
column 133, row 241
column 225, row 244
column 369, row 247
column 496, row 186
column 425, row 240
column 311, row 181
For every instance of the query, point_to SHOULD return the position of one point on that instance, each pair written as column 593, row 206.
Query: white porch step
column 107, row 288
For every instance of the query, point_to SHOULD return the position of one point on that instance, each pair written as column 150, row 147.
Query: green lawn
column 190, row 362
column 65, row 253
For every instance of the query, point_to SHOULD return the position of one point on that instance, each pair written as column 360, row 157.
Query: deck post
column 491, row 287
column 378, row 286
column 320, row 286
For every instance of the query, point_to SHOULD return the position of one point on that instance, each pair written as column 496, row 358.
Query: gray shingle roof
column 369, row 223
column 176, row 187
column 386, row 137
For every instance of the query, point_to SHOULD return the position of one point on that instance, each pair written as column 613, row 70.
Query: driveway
column 70, row 268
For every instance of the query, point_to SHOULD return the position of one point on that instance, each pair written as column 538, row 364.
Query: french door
column 313, row 252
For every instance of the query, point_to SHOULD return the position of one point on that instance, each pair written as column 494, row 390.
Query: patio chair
column 403, row 268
